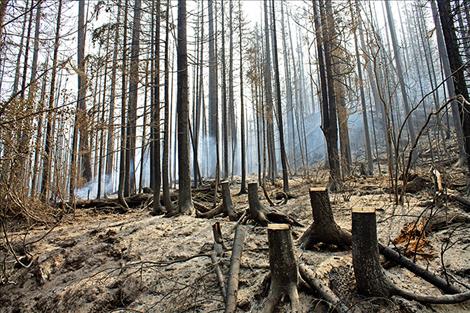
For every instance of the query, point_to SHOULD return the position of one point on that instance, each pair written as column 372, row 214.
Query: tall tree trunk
column 401, row 80
column 231, row 101
column 213, row 94
column 185, row 204
column 47, row 161
column 243, row 189
column 225, row 127
column 367, row 144
column 133, row 97
column 112, row 104
column 33, row 83
column 290, row 119
column 269, row 99
column 84, row 148
column 330, row 125
column 371, row 67
column 166, row 125
column 156, row 169
column 450, row 84
column 458, row 73
column 123, row 174
column 102, row 121
column 280, row 123
column 39, row 133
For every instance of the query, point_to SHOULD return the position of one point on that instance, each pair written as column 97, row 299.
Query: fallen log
column 396, row 257
column 324, row 291
column 464, row 202
column 133, row 201
column 261, row 214
column 218, row 251
column 233, row 277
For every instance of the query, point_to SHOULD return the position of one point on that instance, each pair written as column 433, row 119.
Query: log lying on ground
column 261, row 214
column 324, row 228
column 370, row 277
column 233, row 278
column 134, row 201
column 325, row 292
column 283, row 266
column 437, row 281
column 218, row 251
column 464, row 202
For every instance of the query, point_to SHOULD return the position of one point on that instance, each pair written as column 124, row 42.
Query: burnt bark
column 263, row 216
column 283, row 267
column 324, row 228
column 370, row 277
column 233, row 277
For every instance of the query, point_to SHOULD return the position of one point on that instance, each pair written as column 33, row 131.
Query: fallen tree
column 233, row 277
column 324, row 291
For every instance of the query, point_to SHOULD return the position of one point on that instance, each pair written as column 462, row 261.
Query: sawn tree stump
column 324, row 228
column 283, row 266
column 370, row 277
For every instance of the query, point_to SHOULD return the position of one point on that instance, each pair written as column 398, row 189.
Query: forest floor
column 95, row 261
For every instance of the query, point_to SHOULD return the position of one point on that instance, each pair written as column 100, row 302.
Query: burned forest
column 234, row 156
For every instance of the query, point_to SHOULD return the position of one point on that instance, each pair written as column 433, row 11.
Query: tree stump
column 370, row 276
column 256, row 209
column 226, row 207
column 324, row 228
column 283, row 267
column 227, row 203
column 261, row 214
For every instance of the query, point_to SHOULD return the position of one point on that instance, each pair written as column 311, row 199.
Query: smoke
column 110, row 183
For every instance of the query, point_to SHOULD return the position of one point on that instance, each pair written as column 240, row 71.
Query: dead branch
column 233, row 278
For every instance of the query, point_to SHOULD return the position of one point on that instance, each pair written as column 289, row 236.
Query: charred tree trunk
column 166, row 125
column 370, row 276
column 261, row 214
column 324, row 228
column 243, row 189
column 280, row 123
column 47, row 161
column 185, row 204
column 155, row 130
column 112, row 104
column 283, row 267
column 455, row 60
